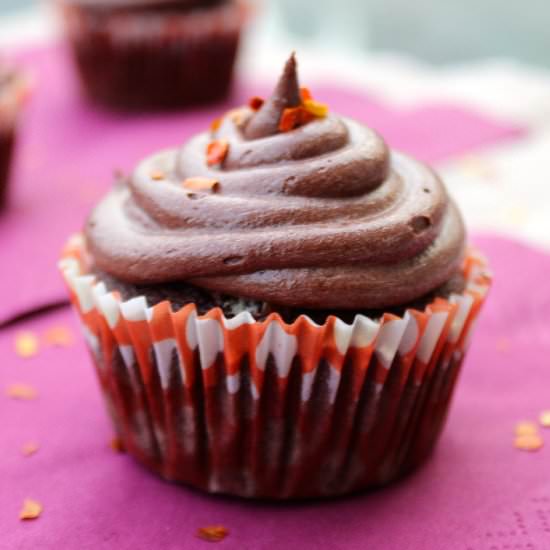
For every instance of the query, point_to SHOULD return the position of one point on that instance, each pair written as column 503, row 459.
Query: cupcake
column 154, row 54
column 281, row 307
column 13, row 89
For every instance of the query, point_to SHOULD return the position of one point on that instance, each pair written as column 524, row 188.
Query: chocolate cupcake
column 13, row 90
column 154, row 54
column 280, row 308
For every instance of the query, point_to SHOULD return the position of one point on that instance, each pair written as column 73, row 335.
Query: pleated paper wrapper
column 265, row 409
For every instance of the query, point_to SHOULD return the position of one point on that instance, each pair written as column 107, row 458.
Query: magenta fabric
column 68, row 152
column 476, row 493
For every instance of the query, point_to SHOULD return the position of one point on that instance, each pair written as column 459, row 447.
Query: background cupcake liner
column 272, row 410
column 12, row 98
column 155, row 59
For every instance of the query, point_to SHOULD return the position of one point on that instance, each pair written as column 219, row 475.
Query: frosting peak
column 322, row 216
column 265, row 122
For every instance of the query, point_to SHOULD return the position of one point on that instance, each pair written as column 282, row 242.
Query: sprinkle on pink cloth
column 69, row 151
column 476, row 493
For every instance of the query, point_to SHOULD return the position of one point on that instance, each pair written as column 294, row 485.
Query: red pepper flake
column 117, row 445
column 21, row 391
column 216, row 151
column 215, row 124
column 31, row 509
column 213, row 533
column 29, row 448
column 157, row 175
column 305, row 94
column 201, row 184
column 59, row 336
column 26, row 344
column 255, row 103
column 294, row 117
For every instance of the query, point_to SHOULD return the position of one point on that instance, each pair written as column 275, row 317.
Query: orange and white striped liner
column 395, row 366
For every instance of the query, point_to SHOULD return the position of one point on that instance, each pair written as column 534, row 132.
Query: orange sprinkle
column 117, row 445
column 215, row 124
column 29, row 448
column 59, row 336
column 157, row 175
column 31, row 509
column 216, row 151
column 21, row 391
column 529, row 443
column 212, row 533
column 201, row 184
column 305, row 94
column 317, row 109
column 293, row 117
column 255, row 103
column 526, row 428
column 26, row 344
column 544, row 419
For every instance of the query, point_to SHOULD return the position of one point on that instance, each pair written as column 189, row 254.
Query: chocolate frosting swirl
column 323, row 216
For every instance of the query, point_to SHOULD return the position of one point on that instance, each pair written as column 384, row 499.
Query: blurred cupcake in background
column 13, row 91
column 154, row 54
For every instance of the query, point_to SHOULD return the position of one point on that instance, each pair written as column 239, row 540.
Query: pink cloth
column 68, row 152
column 476, row 493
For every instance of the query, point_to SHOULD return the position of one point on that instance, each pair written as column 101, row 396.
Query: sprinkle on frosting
column 255, row 103
column 294, row 117
column 216, row 151
column 305, row 94
column 317, row 109
column 215, row 124
column 157, row 175
column 201, row 184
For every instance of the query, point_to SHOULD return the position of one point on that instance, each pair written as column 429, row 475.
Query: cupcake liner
column 268, row 409
column 154, row 59
column 12, row 98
